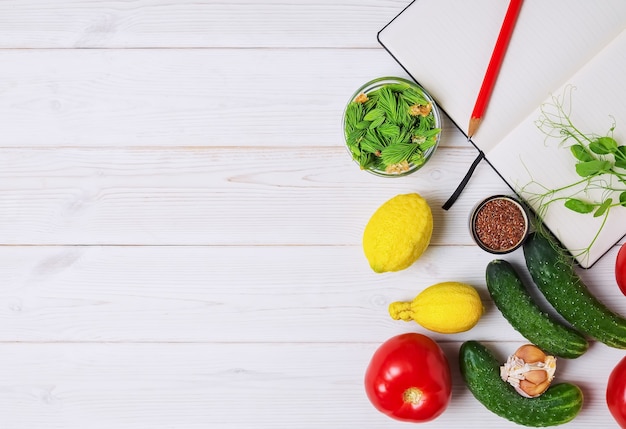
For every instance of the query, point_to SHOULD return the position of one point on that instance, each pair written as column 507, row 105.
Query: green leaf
column 417, row 158
column 403, row 118
column 413, row 96
column 404, row 136
column 354, row 137
column 367, row 160
column 579, row 206
column 427, row 144
column 603, row 146
column 363, row 125
column 374, row 114
column 354, row 115
column 620, row 153
column 398, row 153
column 580, row 153
column 370, row 145
column 603, row 208
column 371, row 102
column 621, row 163
column 431, row 132
column 376, row 122
column 398, row 87
column 622, row 199
column 590, row 168
column 389, row 130
column 387, row 103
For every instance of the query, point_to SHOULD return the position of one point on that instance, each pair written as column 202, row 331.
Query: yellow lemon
column 398, row 233
column 447, row 308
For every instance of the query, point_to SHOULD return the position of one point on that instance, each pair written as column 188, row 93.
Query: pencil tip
column 473, row 126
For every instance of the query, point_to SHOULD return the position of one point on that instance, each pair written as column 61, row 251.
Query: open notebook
column 574, row 50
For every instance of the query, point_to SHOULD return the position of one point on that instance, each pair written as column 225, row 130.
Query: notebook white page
column 445, row 45
column 597, row 93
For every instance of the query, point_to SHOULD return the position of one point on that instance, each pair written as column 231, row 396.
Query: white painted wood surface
column 180, row 221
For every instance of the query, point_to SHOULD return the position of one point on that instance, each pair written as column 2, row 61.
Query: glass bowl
column 382, row 137
column 499, row 224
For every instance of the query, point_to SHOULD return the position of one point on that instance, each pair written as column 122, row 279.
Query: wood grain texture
column 198, row 294
column 207, row 23
column 211, row 196
column 180, row 223
column 232, row 386
column 184, row 97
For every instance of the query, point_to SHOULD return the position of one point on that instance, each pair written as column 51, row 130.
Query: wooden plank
column 100, row 386
column 229, row 196
column 235, row 294
column 180, row 225
column 184, row 97
column 198, row 24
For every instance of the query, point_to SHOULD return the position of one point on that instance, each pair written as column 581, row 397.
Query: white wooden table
column 181, row 223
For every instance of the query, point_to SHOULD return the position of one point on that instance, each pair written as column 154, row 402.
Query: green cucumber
column 552, row 270
column 481, row 372
column 518, row 307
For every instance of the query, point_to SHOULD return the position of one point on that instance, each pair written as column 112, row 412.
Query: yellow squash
column 447, row 308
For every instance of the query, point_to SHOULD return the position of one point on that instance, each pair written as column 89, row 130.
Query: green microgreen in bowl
column 392, row 128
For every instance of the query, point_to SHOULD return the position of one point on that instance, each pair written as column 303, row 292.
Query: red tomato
column 620, row 268
column 408, row 378
column 616, row 393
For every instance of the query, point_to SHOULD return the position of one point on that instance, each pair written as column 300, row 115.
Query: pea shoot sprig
column 390, row 128
column 599, row 161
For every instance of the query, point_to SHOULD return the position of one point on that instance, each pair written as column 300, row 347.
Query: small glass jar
column 434, row 116
column 499, row 224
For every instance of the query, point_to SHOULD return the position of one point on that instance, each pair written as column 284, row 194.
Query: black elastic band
column 461, row 186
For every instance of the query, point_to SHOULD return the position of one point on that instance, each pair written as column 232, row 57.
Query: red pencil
column 494, row 65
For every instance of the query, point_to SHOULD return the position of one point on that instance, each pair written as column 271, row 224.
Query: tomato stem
column 412, row 395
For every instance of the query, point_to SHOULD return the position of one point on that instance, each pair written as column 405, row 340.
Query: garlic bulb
column 529, row 370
